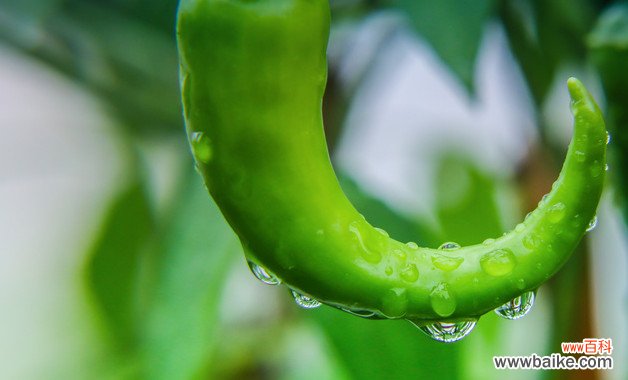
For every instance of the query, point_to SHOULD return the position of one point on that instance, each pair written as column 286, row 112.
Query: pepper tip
column 576, row 89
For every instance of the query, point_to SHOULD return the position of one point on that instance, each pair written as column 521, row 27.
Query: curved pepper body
column 253, row 75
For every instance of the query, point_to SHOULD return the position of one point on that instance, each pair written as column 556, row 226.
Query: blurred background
column 446, row 121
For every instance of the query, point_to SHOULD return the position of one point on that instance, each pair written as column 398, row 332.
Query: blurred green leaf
column 544, row 34
column 519, row 21
column 118, row 52
column 398, row 226
column 387, row 349
column 21, row 21
column 114, row 266
column 571, row 305
column 467, row 211
column 608, row 45
column 197, row 250
column 158, row 14
column 453, row 28
column 466, row 205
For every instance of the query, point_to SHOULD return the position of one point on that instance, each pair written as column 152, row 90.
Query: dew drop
column 449, row 246
column 304, row 301
column 580, row 156
column 388, row 270
column 556, row 213
column 201, row 147
column 521, row 284
column 394, row 303
column 263, row 275
column 554, row 185
column 488, row 241
column 410, row 273
column 543, row 200
column 530, row 241
column 592, row 224
column 447, row 332
column 606, row 167
column 520, row 227
column 596, row 169
column 400, row 254
column 499, row 262
column 527, row 216
column 368, row 244
column 382, row 232
column 445, row 263
column 517, row 307
column 412, row 245
column 442, row 301
column 608, row 137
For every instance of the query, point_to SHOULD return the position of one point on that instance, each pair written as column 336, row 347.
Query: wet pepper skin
column 252, row 78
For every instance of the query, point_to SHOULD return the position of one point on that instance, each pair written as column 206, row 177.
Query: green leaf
column 544, row 34
column 519, row 21
column 198, row 247
column 398, row 226
column 370, row 349
column 466, row 202
column 608, row 46
column 125, row 56
column 467, row 210
column 453, row 28
column 386, row 349
column 113, row 269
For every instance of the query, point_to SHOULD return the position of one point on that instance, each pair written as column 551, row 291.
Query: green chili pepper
column 252, row 75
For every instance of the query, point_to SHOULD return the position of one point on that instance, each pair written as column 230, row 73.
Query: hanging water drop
column 263, row 275
column 447, row 332
column 449, row 246
column 304, row 301
column 517, row 307
column 592, row 224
